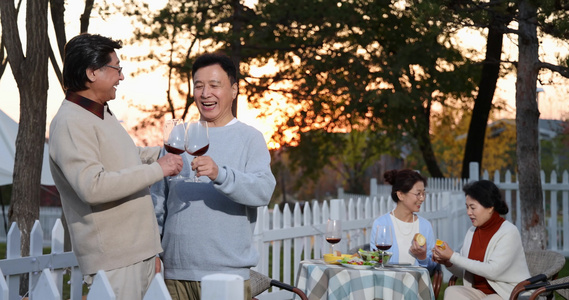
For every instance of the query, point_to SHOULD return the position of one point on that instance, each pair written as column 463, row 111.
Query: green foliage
column 553, row 18
column 178, row 33
column 373, row 66
column 6, row 194
column 500, row 147
column 364, row 63
column 348, row 155
column 450, row 128
column 377, row 66
column 554, row 152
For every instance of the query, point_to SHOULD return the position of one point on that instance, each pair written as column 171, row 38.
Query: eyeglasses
column 116, row 68
column 419, row 195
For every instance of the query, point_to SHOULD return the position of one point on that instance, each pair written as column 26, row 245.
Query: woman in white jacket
column 491, row 260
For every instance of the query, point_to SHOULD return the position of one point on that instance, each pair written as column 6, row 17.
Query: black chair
column 260, row 283
column 560, row 286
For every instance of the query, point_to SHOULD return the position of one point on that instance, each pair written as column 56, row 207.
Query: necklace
column 412, row 227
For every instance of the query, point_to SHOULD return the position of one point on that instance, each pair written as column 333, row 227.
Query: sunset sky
column 149, row 89
column 145, row 89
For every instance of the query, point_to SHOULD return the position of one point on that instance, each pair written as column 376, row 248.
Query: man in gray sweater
column 208, row 227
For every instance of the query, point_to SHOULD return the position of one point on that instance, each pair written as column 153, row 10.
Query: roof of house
column 548, row 129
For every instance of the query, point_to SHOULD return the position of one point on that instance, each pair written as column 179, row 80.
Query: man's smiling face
column 214, row 94
column 104, row 81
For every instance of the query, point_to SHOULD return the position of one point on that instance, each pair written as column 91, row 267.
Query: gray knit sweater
column 208, row 227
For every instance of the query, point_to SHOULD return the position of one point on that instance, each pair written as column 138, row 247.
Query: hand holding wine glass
column 333, row 232
column 383, row 239
column 174, row 138
column 197, row 140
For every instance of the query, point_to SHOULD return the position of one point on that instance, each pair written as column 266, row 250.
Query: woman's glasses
column 419, row 195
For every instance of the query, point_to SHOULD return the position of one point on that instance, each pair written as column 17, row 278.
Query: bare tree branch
column 85, row 17
column 57, row 8
column 11, row 34
column 563, row 71
column 56, row 67
column 3, row 60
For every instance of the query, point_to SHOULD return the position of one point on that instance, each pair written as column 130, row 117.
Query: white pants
column 130, row 282
column 460, row 292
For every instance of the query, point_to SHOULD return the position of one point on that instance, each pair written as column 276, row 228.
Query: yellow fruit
column 420, row 239
column 440, row 244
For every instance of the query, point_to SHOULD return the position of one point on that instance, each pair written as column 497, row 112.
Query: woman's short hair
column 403, row 181
column 218, row 58
column 487, row 194
column 83, row 52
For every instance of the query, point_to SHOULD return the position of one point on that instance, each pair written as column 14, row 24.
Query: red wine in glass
column 333, row 240
column 173, row 150
column 333, row 233
column 383, row 239
column 197, row 140
column 199, row 152
column 174, row 139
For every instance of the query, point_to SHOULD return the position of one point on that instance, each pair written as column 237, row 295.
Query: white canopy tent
column 8, row 133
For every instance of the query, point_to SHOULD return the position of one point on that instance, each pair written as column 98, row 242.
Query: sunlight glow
column 149, row 88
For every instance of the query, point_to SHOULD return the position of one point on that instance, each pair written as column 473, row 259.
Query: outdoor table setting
column 321, row 280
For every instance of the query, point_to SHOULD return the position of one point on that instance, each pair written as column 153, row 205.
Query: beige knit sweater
column 103, row 180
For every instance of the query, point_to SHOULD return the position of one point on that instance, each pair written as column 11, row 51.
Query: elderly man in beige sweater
column 102, row 176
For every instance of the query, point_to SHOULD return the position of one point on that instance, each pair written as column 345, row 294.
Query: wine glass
column 333, row 232
column 174, row 138
column 197, row 140
column 383, row 239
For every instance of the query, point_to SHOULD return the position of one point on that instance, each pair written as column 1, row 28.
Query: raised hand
column 171, row 164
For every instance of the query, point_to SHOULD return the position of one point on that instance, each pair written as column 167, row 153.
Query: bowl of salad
column 375, row 256
column 357, row 263
column 369, row 255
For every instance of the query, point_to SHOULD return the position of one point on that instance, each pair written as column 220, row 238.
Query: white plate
column 401, row 266
column 358, row 267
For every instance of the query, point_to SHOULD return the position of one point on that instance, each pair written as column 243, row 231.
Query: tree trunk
column 490, row 71
column 30, row 73
column 527, row 117
column 421, row 133
column 429, row 157
column 236, row 44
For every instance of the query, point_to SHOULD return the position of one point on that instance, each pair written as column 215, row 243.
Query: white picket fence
column 284, row 238
column 46, row 271
column 555, row 204
column 555, row 199
column 48, row 216
column 290, row 236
